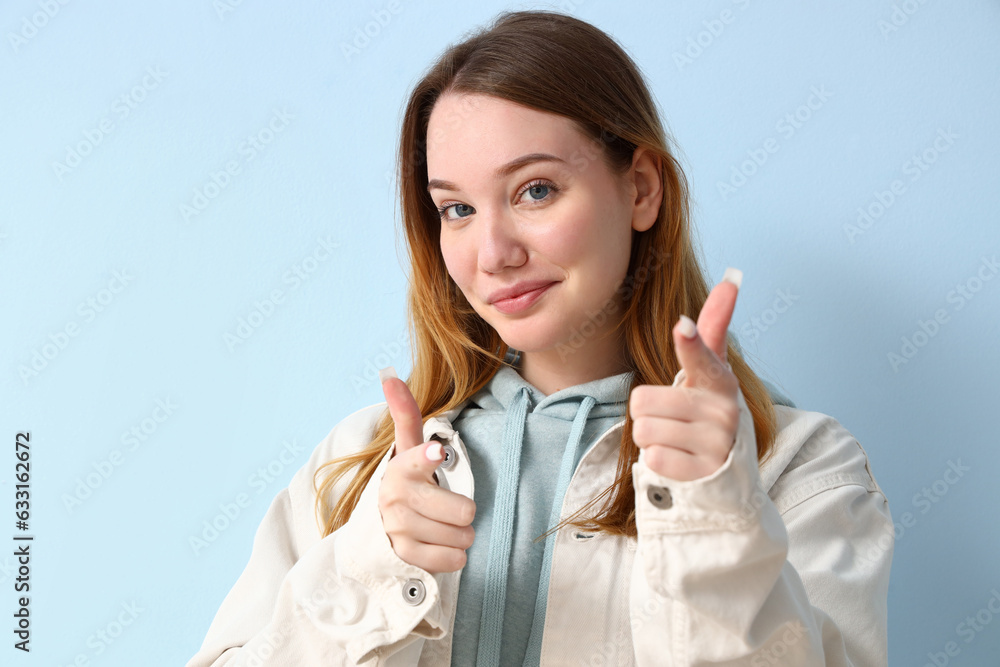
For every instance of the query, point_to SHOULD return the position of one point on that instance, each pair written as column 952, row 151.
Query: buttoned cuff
column 408, row 596
column 728, row 499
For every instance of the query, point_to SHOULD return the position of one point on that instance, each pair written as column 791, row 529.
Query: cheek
column 561, row 244
column 457, row 261
column 588, row 235
column 603, row 245
column 572, row 237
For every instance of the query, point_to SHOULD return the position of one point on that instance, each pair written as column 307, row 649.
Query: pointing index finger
column 717, row 312
column 405, row 412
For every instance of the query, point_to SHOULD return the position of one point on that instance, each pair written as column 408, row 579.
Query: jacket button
column 660, row 497
column 413, row 591
column 449, row 457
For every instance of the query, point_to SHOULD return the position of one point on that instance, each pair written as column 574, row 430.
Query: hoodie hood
column 504, row 392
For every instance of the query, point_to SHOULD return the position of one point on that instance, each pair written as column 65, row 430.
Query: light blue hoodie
column 523, row 447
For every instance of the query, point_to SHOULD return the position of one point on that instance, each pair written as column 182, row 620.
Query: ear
column 646, row 181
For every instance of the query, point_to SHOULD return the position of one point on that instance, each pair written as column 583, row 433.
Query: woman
column 564, row 478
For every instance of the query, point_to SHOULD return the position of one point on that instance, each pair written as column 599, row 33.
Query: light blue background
column 327, row 175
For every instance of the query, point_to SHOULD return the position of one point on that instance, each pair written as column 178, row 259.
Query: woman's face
column 566, row 221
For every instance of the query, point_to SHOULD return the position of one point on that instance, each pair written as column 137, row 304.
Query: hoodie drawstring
column 566, row 469
column 495, row 595
column 505, row 501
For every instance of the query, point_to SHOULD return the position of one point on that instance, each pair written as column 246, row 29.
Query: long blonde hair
column 559, row 64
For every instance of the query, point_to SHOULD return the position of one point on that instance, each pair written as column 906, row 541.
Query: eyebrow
column 505, row 170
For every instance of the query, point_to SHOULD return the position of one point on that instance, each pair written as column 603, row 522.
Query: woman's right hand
column 428, row 526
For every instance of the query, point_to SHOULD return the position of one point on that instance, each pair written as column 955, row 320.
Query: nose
column 501, row 242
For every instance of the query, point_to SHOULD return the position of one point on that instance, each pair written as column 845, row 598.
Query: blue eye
column 443, row 210
column 540, row 188
column 534, row 191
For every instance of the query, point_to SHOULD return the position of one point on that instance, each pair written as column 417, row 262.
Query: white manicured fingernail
column 734, row 276
column 387, row 372
column 434, row 452
column 687, row 327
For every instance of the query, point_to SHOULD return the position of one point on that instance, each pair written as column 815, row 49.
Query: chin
column 531, row 339
column 531, row 333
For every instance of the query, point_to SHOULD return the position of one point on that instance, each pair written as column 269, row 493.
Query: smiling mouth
column 522, row 301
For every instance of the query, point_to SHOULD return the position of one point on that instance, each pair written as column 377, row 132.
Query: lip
column 519, row 297
column 517, row 289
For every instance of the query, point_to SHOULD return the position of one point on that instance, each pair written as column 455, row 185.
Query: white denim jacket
column 782, row 564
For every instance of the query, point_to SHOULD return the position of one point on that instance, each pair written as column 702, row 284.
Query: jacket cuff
column 408, row 596
column 728, row 499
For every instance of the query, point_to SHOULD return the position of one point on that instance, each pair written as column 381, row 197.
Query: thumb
column 403, row 408
column 703, row 367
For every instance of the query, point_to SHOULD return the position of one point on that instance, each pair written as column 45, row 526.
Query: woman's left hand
column 688, row 430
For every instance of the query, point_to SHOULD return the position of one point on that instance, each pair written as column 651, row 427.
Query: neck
column 557, row 368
